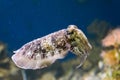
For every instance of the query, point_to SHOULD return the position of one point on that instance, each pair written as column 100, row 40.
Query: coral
column 110, row 57
column 112, row 39
column 111, row 54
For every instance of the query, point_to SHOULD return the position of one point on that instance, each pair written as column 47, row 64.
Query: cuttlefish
column 44, row 51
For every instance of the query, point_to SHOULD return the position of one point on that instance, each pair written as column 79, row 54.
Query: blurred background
column 24, row 20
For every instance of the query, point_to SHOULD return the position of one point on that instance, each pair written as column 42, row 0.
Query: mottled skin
column 44, row 51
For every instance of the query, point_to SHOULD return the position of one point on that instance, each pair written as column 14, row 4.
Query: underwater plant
column 44, row 51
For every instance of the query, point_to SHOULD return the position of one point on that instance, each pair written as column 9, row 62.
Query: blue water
column 24, row 20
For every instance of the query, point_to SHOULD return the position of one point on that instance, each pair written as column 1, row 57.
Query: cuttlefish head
column 79, row 42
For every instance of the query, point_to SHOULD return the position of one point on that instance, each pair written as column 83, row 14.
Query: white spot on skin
column 38, row 56
column 29, row 53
